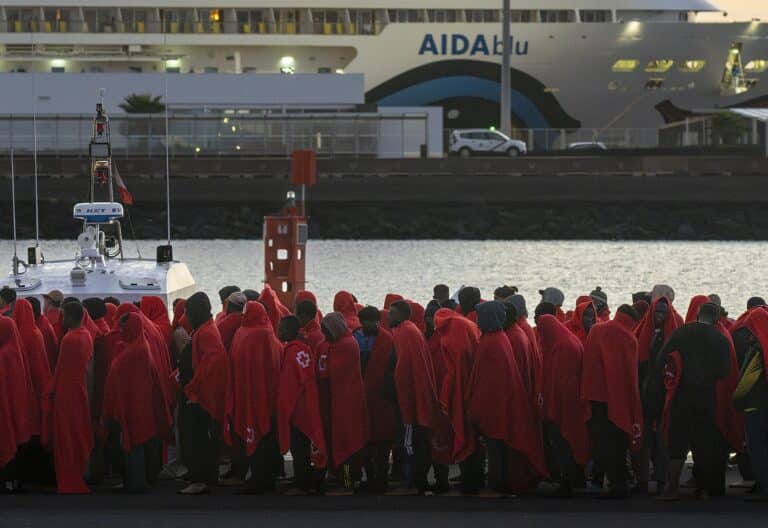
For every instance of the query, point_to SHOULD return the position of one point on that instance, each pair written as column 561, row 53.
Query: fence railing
column 556, row 139
column 330, row 135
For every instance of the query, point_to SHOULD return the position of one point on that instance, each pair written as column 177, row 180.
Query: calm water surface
column 371, row 269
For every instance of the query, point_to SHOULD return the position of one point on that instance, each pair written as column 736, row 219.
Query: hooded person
column 134, row 405
column 158, row 348
column 307, row 313
column 224, row 294
column 518, row 301
column 555, row 297
column 154, row 308
column 111, row 310
column 254, row 359
column 422, row 418
column 459, row 338
column 205, row 414
column 583, row 319
column 67, row 426
column 609, row 383
column 35, row 355
column 388, row 300
column 700, row 355
column 469, row 298
column 104, row 350
column 344, row 303
column 653, row 331
column 299, row 424
column 376, row 356
column 306, row 295
column 528, row 361
column 229, row 324
column 498, row 407
column 751, row 396
column 418, row 316
column 600, row 298
column 342, row 399
column 565, row 412
column 49, row 334
column 19, row 409
column 276, row 310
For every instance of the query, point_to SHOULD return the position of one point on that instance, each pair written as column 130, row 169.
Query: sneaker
column 197, row 488
column 230, row 482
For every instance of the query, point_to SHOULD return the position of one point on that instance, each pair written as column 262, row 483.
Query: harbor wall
column 685, row 198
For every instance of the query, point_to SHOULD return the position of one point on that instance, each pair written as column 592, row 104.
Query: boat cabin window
column 483, row 15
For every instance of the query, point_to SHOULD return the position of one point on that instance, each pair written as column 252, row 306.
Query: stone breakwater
column 582, row 221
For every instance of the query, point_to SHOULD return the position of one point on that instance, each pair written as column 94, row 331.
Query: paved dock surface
column 164, row 508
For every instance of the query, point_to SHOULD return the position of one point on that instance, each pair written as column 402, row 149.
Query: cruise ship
column 575, row 63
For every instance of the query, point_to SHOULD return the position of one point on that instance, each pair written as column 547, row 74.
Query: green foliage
column 728, row 128
column 142, row 104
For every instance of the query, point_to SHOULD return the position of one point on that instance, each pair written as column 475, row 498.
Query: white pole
column 13, row 211
column 167, row 153
column 506, row 82
column 34, row 158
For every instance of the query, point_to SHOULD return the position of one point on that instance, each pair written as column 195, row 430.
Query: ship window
column 442, row 15
column 524, row 16
column 658, row 65
column 596, row 15
column 654, row 84
column 625, row 65
column 692, row 66
column 756, row 66
column 483, row 15
column 613, row 85
column 556, row 15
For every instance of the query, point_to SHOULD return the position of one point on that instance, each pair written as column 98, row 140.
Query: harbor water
column 371, row 269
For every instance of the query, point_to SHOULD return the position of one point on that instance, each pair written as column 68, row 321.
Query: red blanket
column 297, row 401
column 68, row 418
column 255, row 371
column 19, row 410
column 133, row 392
column 563, row 406
column 609, row 375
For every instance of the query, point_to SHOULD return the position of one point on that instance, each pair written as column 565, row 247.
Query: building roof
column 760, row 114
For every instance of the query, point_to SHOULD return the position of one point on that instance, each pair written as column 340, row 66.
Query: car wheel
column 512, row 152
column 465, row 152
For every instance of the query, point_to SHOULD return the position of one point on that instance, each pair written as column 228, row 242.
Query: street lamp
column 506, row 103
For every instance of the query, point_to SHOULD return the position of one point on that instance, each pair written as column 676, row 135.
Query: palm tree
column 142, row 104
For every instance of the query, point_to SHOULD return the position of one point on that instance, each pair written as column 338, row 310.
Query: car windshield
column 499, row 135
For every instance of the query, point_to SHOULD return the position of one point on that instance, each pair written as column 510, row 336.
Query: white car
column 478, row 141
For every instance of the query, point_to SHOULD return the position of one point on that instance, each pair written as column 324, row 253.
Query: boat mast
column 506, row 88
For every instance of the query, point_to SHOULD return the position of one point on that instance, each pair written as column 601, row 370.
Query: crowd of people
column 383, row 400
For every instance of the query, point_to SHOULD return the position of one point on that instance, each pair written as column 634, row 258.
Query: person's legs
column 610, row 446
column 301, row 452
column 153, row 457
column 757, row 444
column 497, row 465
column 421, row 458
column 570, row 474
column 200, row 449
column 135, row 480
column 472, row 469
column 262, row 466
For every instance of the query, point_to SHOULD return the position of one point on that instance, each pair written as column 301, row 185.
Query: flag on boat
column 125, row 196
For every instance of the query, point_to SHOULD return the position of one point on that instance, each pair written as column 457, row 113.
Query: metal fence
column 330, row 135
column 554, row 139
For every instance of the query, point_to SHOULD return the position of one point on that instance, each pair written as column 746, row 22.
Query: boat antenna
column 34, row 158
column 167, row 165
column 13, row 212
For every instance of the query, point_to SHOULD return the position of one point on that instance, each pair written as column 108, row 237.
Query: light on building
column 58, row 63
column 197, row 149
column 340, row 71
column 225, row 120
column 288, row 65
column 237, row 147
column 215, row 15
column 172, row 63
column 234, row 128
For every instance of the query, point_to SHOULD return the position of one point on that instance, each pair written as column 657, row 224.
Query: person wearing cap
column 229, row 324
column 696, row 356
column 52, row 302
column 600, row 298
column 555, row 297
column 7, row 301
column 224, row 294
